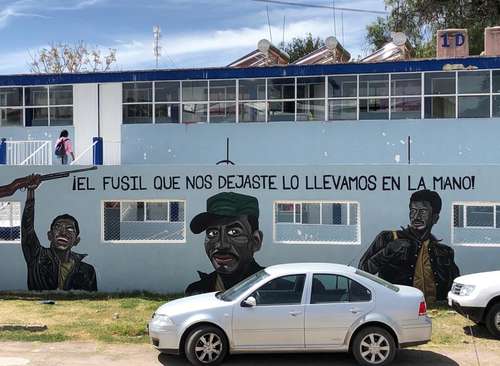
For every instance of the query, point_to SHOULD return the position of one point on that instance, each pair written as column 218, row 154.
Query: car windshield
column 240, row 287
column 378, row 280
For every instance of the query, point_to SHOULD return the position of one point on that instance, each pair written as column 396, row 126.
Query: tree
column 299, row 47
column 420, row 20
column 65, row 58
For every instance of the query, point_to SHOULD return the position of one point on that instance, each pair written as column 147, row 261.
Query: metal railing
column 83, row 153
column 32, row 152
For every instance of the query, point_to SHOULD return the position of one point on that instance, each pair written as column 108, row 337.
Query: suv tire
column 374, row 346
column 206, row 346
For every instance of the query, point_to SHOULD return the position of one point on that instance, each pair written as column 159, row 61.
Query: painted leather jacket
column 208, row 281
column 43, row 263
column 393, row 255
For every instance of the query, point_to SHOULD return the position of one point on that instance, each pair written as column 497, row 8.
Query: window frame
column 48, row 106
column 145, row 241
column 466, row 204
column 265, row 100
column 11, row 219
column 302, row 297
column 348, row 294
column 299, row 203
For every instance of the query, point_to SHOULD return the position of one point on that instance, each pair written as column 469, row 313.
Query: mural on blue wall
column 413, row 256
column 232, row 236
column 56, row 267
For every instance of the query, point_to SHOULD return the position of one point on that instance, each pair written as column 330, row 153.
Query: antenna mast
column 156, row 43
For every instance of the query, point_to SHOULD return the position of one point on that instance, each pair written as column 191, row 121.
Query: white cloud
column 188, row 48
column 220, row 45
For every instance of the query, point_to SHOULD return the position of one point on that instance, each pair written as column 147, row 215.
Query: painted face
column 63, row 235
column 230, row 244
column 421, row 216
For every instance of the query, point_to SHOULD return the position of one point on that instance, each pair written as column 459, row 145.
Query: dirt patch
column 99, row 354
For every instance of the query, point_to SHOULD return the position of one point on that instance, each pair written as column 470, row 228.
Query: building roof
column 480, row 62
column 257, row 58
column 324, row 55
column 390, row 52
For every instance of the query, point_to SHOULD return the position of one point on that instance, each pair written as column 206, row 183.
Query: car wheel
column 206, row 345
column 492, row 320
column 374, row 346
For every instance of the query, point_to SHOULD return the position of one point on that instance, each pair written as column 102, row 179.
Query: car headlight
column 161, row 322
column 466, row 290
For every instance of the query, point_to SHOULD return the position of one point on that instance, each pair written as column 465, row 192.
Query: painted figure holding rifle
column 56, row 267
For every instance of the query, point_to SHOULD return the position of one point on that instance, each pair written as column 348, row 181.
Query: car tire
column 492, row 320
column 206, row 346
column 383, row 343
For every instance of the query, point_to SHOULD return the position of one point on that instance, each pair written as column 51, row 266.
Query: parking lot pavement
column 93, row 354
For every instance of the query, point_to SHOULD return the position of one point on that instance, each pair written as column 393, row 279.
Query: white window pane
column 481, row 216
column 157, row 211
column 310, row 213
column 132, row 211
column 284, row 212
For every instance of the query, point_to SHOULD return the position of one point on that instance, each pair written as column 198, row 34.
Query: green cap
column 225, row 204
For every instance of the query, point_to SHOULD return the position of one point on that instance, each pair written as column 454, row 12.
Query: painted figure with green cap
column 232, row 236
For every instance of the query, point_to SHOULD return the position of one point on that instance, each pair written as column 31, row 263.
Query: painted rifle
column 20, row 183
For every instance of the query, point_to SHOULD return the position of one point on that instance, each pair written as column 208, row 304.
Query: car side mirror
column 249, row 302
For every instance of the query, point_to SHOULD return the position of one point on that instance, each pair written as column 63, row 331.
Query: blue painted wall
column 437, row 141
column 170, row 267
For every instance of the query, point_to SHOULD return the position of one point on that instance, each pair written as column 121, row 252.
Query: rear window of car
column 378, row 280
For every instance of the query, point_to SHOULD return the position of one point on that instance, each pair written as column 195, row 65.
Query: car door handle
column 354, row 310
column 295, row 313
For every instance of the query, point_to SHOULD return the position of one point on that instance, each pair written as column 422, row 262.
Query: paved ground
column 92, row 354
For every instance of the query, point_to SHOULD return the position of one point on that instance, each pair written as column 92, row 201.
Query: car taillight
column 422, row 309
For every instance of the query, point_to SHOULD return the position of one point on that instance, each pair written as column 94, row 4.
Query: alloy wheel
column 374, row 348
column 208, row 348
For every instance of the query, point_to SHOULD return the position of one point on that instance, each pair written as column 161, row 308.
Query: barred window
column 144, row 221
column 476, row 223
column 317, row 222
column 10, row 222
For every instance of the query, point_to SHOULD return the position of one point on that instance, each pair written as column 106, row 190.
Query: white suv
column 477, row 297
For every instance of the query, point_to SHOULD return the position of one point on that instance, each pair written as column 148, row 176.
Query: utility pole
column 156, row 43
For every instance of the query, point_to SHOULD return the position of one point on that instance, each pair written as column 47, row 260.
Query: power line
column 321, row 6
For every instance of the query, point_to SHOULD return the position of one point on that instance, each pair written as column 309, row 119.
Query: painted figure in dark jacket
column 412, row 256
column 56, row 267
column 232, row 236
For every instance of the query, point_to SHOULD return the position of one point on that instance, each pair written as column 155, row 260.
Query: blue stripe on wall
column 230, row 73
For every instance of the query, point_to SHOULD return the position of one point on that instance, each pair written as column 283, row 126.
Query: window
column 371, row 86
column 406, row 99
column 474, row 106
column 476, row 223
column 286, row 290
column 137, row 103
column 10, row 222
column 473, row 82
column 144, row 221
column 311, row 99
column 167, row 101
column 194, row 91
column 223, row 101
column 282, row 94
column 252, row 97
column 319, row 222
column 345, row 91
column 437, row 103
column 48, row 105
column 327, row 288
column 439, row 83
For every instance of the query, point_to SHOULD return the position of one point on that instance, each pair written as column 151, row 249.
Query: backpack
column 60, row 149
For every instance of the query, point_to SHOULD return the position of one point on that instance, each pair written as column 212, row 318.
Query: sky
column 194, row 34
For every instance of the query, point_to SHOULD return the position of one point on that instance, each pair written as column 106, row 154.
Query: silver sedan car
column 299, row 307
